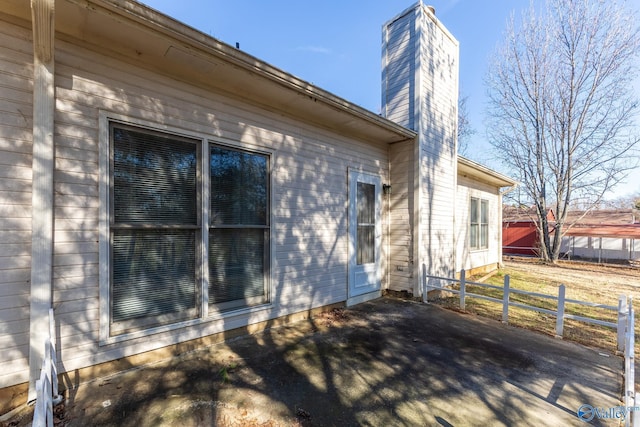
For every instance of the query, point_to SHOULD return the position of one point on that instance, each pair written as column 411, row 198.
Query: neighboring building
column 609, row 236
column 160, row 188
column 520, row 231
column 599, row 235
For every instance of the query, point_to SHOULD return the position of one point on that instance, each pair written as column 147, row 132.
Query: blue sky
column 336, row 44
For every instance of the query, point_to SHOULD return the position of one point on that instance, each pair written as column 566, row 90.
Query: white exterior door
column 365, row 236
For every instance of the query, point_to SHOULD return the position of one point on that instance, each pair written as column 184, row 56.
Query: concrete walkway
column 384, row 363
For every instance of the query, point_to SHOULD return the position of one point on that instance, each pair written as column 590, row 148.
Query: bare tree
column 464, row 125
column 561, row 106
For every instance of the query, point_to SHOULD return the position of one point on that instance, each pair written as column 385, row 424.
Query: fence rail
column 47, row 386
column 624, row 326
column 506, row 302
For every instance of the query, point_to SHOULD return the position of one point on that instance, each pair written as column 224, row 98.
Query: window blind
column 153, row 273
column 239, row 227
column 236, row 267
column 154, row 179
column 153, row 238
column 238, row 187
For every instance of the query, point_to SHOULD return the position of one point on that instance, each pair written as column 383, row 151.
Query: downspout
column 42, row 13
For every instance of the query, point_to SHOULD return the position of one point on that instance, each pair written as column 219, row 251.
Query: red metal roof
column 596, row 223
column 605, row 230
column 515, row 214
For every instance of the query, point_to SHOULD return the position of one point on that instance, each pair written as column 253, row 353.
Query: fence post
column 57, row 398
column 425, row 288
column 39, row 412
column 45, row 376
column 505, row 300
column 560, row 316
column 462, row 289
column 629, row 358
column 622, row 321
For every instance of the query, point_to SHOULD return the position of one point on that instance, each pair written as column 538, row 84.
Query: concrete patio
column 383, row 363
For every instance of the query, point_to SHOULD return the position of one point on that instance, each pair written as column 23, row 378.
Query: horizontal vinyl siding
column 16, row 121
column 438, row 115
column 399, row 71
column 400, row 216
column 310, row 200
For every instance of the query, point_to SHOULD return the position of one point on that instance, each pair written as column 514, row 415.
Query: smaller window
column 478, row 223
column 484, row 223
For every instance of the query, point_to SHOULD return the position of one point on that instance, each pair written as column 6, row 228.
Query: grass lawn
column 591, row 283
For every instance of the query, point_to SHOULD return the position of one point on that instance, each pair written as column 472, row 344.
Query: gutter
column 172, row 28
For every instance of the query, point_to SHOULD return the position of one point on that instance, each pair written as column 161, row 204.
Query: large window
column 479, row 223
column 165, row 263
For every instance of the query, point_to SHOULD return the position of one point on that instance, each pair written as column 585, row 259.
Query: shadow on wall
column 309, row 228
column 16, row 122
column 434, row 118
column 438, row 151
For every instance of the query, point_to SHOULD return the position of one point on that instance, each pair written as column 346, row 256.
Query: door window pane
column 366, row 208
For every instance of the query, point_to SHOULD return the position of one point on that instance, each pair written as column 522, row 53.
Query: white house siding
column 309, row 185
column 468, row 259
column 398, row 70
column 16, row 121
column 438, row 115
column 401, row 216
column 420, row 60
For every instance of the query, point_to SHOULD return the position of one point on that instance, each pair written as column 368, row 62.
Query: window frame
column 205, row 312
column 481, row 225
column 124, row 326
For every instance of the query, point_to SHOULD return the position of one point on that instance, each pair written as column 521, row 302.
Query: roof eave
column 467, row 167
column 148, row 38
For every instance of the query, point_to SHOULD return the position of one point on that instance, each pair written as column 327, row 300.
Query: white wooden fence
column 47, row 386
column 429, row 283
column 624, row 325
column 631, row 399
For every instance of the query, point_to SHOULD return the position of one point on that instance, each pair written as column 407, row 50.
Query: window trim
column 206, row 313
column 478, row 243
column 124, row 326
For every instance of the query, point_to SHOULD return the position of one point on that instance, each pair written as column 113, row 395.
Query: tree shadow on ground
column 387, row 362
